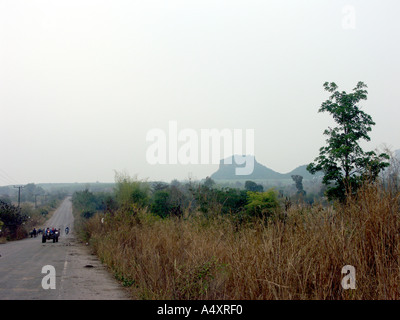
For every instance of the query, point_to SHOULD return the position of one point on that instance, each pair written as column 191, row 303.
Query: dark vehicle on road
column 50, row 234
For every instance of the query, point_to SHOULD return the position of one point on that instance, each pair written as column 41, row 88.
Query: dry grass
column 298, row 258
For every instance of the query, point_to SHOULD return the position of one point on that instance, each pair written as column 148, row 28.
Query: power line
column 5, row 180
column 7, row 177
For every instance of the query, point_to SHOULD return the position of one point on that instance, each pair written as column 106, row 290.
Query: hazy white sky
column 82, row 82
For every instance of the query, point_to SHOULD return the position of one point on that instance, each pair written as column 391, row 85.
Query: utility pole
column 19, row 194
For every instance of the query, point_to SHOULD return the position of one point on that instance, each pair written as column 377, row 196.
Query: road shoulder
column 84, row 277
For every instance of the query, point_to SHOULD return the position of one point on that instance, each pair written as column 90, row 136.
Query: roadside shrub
column 300, row 257
column 12, row 219
column 131, row 191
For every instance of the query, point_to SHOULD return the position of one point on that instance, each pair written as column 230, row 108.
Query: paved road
column 78, row 274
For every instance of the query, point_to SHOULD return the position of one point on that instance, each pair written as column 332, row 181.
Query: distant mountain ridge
column 260, row 172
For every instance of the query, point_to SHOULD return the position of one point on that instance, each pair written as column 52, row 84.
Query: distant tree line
column 178, row 199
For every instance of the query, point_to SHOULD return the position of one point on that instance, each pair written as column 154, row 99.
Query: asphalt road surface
column 79, row 275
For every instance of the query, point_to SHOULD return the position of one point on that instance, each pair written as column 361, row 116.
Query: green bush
column 165, row 203
column 12, row 218
column 262, row 204
column 131, row 191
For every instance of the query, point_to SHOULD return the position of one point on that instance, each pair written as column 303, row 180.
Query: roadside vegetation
column 274, row 252
column 205, row 241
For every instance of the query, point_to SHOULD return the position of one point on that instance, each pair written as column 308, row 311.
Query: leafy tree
column 130, row 191
column 262, row 204
column 344, row 164
column 167, row 202
column 158, row 186
column 161, row 203
column 298, row 180
column 224, row 201
column 29, row 192
column 231, row 200
column 11, row 217
column 254, row 187
column 209, row 183
column 89, row 203
column 85, row 201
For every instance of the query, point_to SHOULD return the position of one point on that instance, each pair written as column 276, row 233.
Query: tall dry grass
column 299, row 257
